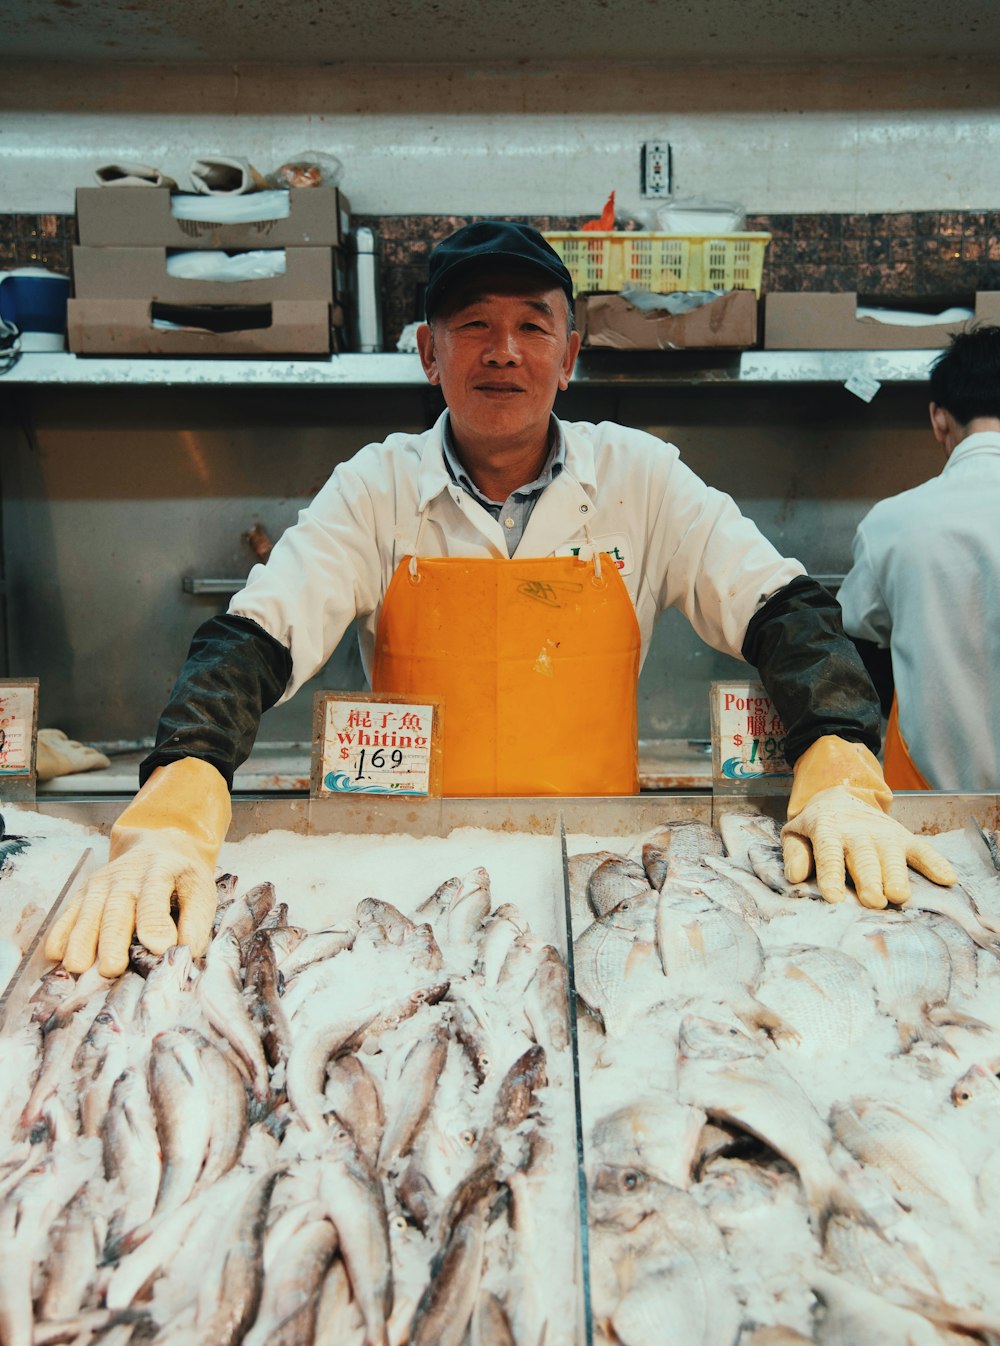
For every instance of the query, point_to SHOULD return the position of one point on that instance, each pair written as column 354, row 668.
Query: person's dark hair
column 965, row 379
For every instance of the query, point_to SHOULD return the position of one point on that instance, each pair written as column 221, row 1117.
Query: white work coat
column 925, row 584
column 676, row 542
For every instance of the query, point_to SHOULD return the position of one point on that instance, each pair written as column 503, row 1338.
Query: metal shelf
column 607, row 368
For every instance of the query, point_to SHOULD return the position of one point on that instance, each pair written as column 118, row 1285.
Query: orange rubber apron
column 898, row 767
column 538, row 665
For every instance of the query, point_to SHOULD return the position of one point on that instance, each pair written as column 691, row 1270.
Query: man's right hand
column 163, row 852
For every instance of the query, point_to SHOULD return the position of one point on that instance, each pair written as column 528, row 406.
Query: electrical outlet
column 655, row 168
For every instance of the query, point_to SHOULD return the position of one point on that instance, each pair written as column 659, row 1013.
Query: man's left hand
column 838, row 823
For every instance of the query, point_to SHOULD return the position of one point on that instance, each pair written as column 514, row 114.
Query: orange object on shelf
column 607, row 219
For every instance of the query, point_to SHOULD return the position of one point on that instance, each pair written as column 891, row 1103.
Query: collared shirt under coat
column 681, row 543
column 925, row 584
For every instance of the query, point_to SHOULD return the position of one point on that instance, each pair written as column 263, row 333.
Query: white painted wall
column 530, row 140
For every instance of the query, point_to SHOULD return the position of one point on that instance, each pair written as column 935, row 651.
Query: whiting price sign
column 372, row 744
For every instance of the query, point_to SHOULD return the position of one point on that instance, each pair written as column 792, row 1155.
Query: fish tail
column 946, row 1014
column 925, row 1031
column 779, row 1030
column 838, row 1199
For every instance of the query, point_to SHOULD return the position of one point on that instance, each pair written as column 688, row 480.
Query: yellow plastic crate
column 662, row 262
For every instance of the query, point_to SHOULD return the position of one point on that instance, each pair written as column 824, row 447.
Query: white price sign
column 18, row 728
column 748, row 736
column 375, row 745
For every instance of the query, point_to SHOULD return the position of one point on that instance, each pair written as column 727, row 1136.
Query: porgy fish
column 686, row 840
column 739, row 831
column 954, row 904
column 852, row 1316
column 920, row 1162
column 768, row 863
column 979, row 1083
column 911, row 970
column 824, row 994
column 670, row 1261
column 708, row 952
column 613, row 881
column 618, row 973
column 731, row 1077
column 657, row 1135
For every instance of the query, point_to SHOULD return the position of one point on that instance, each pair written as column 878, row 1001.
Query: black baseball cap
column 486, row 246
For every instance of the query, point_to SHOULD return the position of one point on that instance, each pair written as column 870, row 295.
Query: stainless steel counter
column 624, row 369
column 283, row 768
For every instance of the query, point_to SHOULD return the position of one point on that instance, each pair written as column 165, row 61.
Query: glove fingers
column 895, row 877
column 828, row 853
column 923, row 857
column 81, row 947
column 56, row 939
column 117, row 925
column 197, row 896
column 153, row 922
column 865, row 868
column 797, row 853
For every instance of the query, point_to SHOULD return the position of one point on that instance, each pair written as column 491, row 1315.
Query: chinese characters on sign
column 371, row 745
column 748, row 738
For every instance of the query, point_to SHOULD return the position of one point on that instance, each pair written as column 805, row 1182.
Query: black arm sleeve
column 879, row 665
column 811, row 670
column 234, row 672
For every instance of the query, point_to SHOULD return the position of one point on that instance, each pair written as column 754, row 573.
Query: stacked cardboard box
column 610, row 321
column 813, row 321
column 124, row 293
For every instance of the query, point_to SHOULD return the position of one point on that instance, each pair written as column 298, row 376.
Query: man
column 923, row 593
column 476, row 557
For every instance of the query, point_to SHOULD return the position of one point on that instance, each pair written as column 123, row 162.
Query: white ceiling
column 311, row 32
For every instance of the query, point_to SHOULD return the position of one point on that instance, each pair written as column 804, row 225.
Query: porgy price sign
column 748, row 739
column 375, row 745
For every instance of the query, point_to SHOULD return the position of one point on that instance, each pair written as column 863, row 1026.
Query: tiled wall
column 906, row 255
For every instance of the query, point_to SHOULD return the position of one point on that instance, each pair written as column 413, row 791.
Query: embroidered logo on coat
column 616, row 546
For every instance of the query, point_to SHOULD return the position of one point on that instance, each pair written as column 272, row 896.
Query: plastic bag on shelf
column 700, row 215
column 132, row 175
column 311, row 168
column 269, row 205
column 222, row 175
column 209, row 264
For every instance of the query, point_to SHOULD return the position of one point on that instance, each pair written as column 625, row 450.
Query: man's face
column 500, row 350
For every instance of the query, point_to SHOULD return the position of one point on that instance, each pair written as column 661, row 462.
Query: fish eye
column 631, row 1180
column 398, row 1222
column 963, row 1097
column 467, row 1137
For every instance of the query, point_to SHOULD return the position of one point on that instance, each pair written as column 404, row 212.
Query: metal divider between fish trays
column 583, row 1222
column 33, row 963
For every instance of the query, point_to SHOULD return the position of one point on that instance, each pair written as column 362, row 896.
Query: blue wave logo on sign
column 735, row 768
column 339, row 782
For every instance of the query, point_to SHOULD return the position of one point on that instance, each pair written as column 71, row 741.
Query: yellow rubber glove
column 164, row 846
column 837, row 822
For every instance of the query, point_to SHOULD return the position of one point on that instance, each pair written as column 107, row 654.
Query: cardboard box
column 121, row 292
column 126, row 327
column 109, row 217
column 816, row 322
column 609, row 321
column 141, row 273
